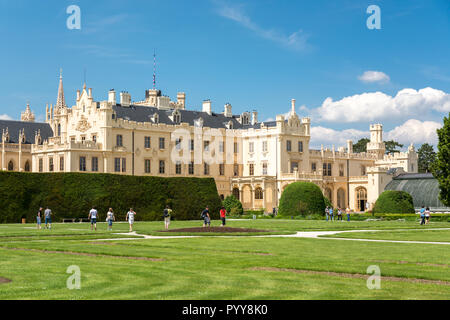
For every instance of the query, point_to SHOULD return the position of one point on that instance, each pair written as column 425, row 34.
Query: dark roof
column 31, row 128
column 215, row 120
column 408, row 176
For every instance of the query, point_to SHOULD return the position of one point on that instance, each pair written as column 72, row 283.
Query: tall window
column 162, row 143
column 147, row 142
column 94, row 164
column 59, row 129
column 236, row 170
column 41, row 165
column 206, row 146
column 327, row 169
column 221, row 146
column 251, row 169
column 313, row 167
column 94, row 138
column 27, row 166
column 147, row 164
column 236, row 147
column 51, row 167
column 191, row 167
column 116, row 164
column 259, row 194
column 206, row 169
column 178, row 143
column 124, row 165
column 300, row 146
column 363, row 170
column 264, row 169
column 82, row 163
column 61, row 163
column 178, row 167
column 251, row 147
column 191, row 145
column 264, row 146
column 162, row 167
column 341, row 170
column 221, row 169
column 288, row 145
column 119, row 140
column 294, row 166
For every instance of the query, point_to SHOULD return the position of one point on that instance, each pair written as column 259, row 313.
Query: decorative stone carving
column 83, row 125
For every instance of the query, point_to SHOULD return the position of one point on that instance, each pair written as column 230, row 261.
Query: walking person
column 427, row 215
column 223, row 214
column 331, row 214
column 166, row 215
column 93, row 217
column 206, row 217
column 110, row 218
column 422, row 215
column 48, row 218
column 130, row 218
column 38, row 218
column 339, row 213
column 327, row 212
column 347, row 211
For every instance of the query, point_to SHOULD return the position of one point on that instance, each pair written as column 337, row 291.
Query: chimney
column 227, row 112
column 349, row 146
column 254, row 117
column 293, row 106
column 125, row 99
column 207, row 107
column 181, row 99
column 112, row 96
column 90, row 92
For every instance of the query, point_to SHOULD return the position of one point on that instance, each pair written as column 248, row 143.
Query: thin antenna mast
column 154, row 69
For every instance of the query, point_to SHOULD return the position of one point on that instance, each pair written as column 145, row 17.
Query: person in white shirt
column 93, row 216
column 130, row 218
column 110, row 218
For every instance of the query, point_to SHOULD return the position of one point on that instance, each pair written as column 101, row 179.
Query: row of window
column 191, row 168
column 259, row 193
column 251, row 169
column 51, row 164
column 289, row 146
column 327, row 169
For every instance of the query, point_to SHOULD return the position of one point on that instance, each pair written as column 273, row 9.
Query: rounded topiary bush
column 301, row 198
column 391, row 201
column 233, row 205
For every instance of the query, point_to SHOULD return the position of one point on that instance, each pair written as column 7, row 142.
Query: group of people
column 331, row 213
column 425, row 215
column 207, row 219
column 48, row 218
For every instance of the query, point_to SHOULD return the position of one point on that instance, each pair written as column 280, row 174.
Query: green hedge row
column 391, row 201
column 72, row 195
column 301, row 199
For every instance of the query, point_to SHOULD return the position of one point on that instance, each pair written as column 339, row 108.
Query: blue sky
column 254, row 54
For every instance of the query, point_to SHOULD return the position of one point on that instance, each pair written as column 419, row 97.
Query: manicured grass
column 408, row 235
column 212, row 267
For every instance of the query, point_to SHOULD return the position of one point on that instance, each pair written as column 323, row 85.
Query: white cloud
column 374, row 76
column 296, row 40
column 377, row 105
column 328, row 137
column 415, row 131
column 5, row 117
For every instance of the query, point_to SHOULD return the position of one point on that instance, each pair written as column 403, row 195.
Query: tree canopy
column 441, row 167
column 427, row 156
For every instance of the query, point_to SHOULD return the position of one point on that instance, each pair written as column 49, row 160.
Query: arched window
column 176, row 117
column 156, row 118
column 236, row 193
column 10, row 166
column 259, row 194
column 27, row 166
column 341, row 198
column 59, row 129
column 329, row 194
column 361, row 198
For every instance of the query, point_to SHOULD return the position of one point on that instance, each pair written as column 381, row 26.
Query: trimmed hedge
column 301, row 199
column 391, row 201
column 230, row 203
column 72, row 195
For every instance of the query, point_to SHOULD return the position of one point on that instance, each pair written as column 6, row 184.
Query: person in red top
column 223, row 214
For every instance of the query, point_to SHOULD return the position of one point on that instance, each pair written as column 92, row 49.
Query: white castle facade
column 252, row 160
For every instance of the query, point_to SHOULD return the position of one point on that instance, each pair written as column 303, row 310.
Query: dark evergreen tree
column 441, row 167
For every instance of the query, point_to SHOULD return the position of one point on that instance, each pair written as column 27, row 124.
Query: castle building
column 156, row 136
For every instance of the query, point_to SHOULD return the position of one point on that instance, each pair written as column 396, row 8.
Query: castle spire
column 60, row 102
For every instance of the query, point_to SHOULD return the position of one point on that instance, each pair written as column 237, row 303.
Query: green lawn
column 403, row 235
column 211, row 267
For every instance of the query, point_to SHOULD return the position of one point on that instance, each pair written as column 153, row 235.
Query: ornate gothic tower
column 27, row 115
column 376, row 144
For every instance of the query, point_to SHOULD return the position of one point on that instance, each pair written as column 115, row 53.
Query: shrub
column 391, row 201
column 327, row 202
column 230, row 203
column 72, row 195
column 301, row 199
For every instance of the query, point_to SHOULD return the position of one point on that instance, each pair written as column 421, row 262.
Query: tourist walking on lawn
column 331, row 214
column 130, row 218
column 110, row 218
column 427, row 215
column 422, row 216
column 327, row 210
column 223, row 214
column 48, row 218
column 38, row 218
column 347, row 211
column 339, row 213
column 206, row 217
column 166, row 215
column 93, row 217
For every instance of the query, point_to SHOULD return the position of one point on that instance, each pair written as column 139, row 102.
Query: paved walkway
column 300, row 234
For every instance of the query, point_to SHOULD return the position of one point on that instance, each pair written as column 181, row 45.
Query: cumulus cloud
column 374, row 76
column 296, row 40
column 5, row 117
column 377, row 105
column 415, row 131
column 328, row 137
